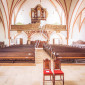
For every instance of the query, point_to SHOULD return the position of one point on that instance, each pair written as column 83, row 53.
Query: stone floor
column 32, row 74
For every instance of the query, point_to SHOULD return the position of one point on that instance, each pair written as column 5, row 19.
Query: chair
column 47, row 70
column 58, row 71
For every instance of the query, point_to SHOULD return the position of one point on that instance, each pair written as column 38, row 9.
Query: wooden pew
column 17, row 54
column 71, row 57
column 67, row 49
column 65, row 52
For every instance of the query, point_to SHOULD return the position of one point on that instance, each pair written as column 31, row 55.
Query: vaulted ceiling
column 10, row 5
column 71, row 8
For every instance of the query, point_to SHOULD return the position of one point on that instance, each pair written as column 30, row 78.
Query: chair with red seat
column 58, row 71
column 47, row 70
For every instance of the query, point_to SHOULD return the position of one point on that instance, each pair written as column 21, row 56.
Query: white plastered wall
column 82, row 32
column 59, row 36
column 2, row 34
column 24, row 15
column 15, row 37
column 6, row 40
column 76, row 21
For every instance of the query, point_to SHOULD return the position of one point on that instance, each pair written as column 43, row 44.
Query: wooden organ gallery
column 44, row 37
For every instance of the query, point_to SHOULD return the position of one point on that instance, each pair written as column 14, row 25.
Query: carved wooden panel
column 35, row 27
column 25, row 27
column 55, row 27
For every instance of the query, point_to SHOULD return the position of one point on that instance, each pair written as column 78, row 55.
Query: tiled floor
column 32, row 74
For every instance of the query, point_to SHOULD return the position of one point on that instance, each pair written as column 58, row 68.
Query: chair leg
column 63, row 79
column 54, row 80
column 43, row 79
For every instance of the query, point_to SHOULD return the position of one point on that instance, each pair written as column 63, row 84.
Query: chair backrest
column 46, row 64
column 57, row 64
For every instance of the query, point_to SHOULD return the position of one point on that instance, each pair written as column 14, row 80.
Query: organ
column 37, row 14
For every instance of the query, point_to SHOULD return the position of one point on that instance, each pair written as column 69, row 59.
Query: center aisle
column 40, row 56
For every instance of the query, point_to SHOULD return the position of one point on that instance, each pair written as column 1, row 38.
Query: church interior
column 42, row 42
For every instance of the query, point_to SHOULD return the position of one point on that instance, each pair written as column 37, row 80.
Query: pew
column 19, row 53
column 65, row 53
column 71, row 57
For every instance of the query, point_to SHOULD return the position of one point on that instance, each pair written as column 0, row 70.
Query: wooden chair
column 47, row 70
column 58, row 71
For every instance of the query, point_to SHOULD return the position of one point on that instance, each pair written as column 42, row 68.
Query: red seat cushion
column 47, row 72
column 58, row 72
